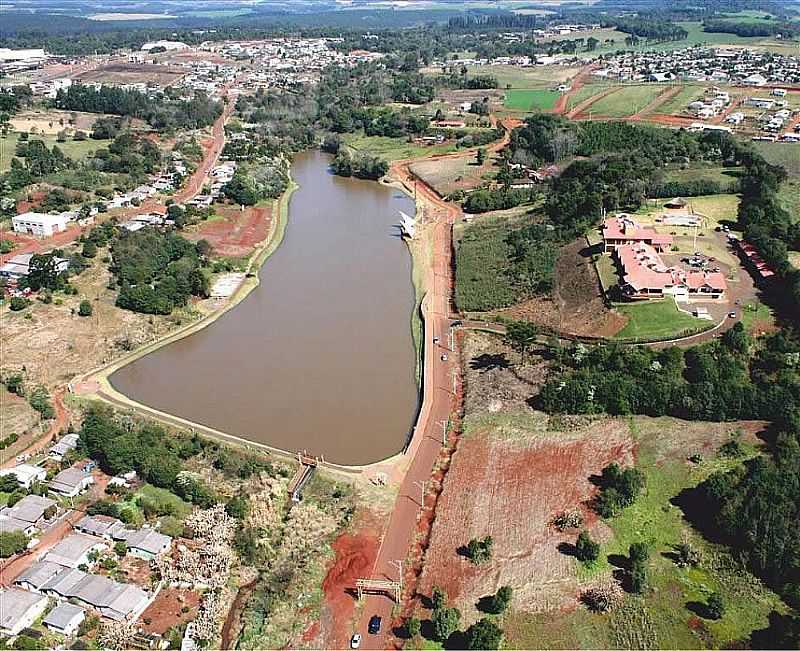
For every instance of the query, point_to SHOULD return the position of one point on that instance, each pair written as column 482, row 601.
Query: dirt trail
column 58, row 424
column 577, row 112
column 664, row 96
column 560, row 107
column 230, row 629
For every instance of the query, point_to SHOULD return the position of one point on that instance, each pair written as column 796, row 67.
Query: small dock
column 308, row 465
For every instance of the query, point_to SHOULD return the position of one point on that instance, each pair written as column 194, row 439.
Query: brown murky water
column 320, row 355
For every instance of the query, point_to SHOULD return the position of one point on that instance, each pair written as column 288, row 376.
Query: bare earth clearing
column 139, row 73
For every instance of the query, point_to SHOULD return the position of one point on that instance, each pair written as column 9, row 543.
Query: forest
column 161, row 112
column 156, row 271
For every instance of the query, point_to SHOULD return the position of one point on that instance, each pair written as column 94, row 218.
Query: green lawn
column 657, row 320
column 722, row 175
column 677, row 104
column 393, row 148
column 161, row 495
column 72, row 148
column 781, row 153
column 584, row 93
column 626, row 101
column 530, row 100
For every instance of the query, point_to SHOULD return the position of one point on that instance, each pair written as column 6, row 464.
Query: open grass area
column 722, row 175
column 781, row 153
column 519, row 77
column 626, row 101
column 584, row 93
column 657, row 320
column 76, row 150
column 677, row 104
column 531, row 100
column 663, row 616
column 393, row 148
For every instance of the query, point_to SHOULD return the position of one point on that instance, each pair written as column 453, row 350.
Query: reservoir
column 320, row 355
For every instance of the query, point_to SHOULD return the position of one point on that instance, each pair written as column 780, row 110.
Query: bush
column 498, row 602
column 40, row 401
column 16, row 384
column 85, row 308
column 445, row 622
column 18, row 303
column 715, row 607
column 413, row 627
column 479, row 551
column 586, row 549
column 483, row 634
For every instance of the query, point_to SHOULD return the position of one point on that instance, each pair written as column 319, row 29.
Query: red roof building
column 623, row 229
column 753, row 258
column 644, row 275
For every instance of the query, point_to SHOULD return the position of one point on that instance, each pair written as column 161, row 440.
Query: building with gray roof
column 146, row 543
column 19, row 609
column 38, row 575
column 25, row 515
column 70, row 482
column 65, row 618
column 103, row 526
column 74, row 550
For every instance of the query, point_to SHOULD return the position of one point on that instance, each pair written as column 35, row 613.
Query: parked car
column 731, row 315
column 355, row 641
column 374, row 625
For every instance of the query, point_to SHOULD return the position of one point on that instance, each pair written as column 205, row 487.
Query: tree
column 484, row 634
column 15, row 384
column 499, row 601
column 85, row 308
column 445, row 622
column 18, row 303
column 238, row 507
column 479, row 551
column 480, row 156
column 8, row 483
column 12, row 542
column 413, row 627
column 522, row 335
column 586, row 549
column 89, row 249
column 438, row 598
column 715, row 606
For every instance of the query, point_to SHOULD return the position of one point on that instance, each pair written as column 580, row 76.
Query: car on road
column 374, row 625
column 444, row 357
column 355, row 641
column 731, row 315
column 455, row 324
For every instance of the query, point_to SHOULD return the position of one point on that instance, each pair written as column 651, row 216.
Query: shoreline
column 105, row 392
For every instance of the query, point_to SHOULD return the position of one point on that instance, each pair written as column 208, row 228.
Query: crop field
column 657, row 319
column 77, row 150
column 531, row 100
column 626, row 101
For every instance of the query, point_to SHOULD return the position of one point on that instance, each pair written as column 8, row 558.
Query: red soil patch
column 311, row 632
column 510, row 489
column 165, row 611
column 355, row 558
column 237, row 233
column 34, row 199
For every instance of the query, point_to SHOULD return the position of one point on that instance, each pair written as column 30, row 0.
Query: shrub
column 445, row 622
column 483, row 634
column 85, row 308
column 499, row 601
column 603, row 597
column 715, row 607
column 12, row 542
column 479, row 551
column 413, row 626
column 18, row 303
column 586, row 549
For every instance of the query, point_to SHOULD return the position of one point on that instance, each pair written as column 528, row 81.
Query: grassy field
column 677, row 105
column 584, row 93
column 722, row 175
column 518, row 77
column 530, row 100
column 662, row 618
column 657, row 320
column 393, row 148
column 72, row 148
column 626, row 101
column 781, row 153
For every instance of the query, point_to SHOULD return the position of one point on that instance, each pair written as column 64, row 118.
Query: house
column 645, row 275
column 26, row 474
column 26, row 515
column 59, row 450
column 116, row 601
column 39, row 224
column 65, row 619
column 622, row 230
column 18, row 266
column 71, row 482
column 753, row 259
column 147, row 543
column 19, row 609
column 169, row 46
column 74, row 550
column 38, row 575
column 778, row 92
column 102, row 526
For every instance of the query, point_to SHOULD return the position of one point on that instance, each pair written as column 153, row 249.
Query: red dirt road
column 560, row 106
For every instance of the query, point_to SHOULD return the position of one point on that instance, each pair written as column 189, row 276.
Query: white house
column 170, row 46
column 59, row 450
column 26, row 474
column 19, row 609
column 74, row 550
column 39, row 224
column 71, row 482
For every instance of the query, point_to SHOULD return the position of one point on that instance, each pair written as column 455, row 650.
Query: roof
column 623, row 227
column 117, row 600
column 24, row 472
column 67, row 443
column 99, row 525
column 63, row 615
column 71, row 550
column 39, row 574
column 148, row 540
column 68, row 480
column 29, row 509
column 14, row 604
column 40, row 217
column 643, row 269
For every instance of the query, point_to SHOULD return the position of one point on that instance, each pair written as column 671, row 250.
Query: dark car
column 374, row 625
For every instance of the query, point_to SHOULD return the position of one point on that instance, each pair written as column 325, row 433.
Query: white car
column 355, row 641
